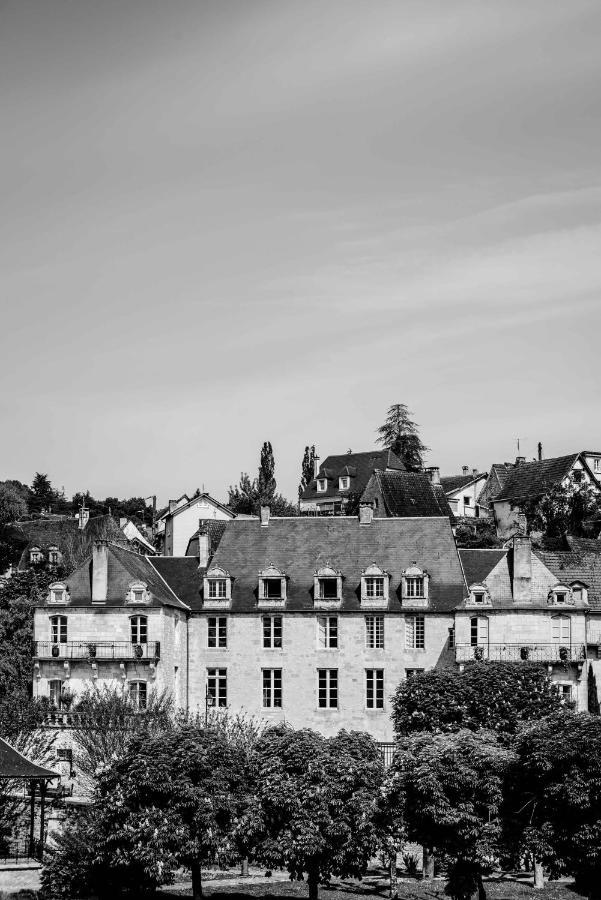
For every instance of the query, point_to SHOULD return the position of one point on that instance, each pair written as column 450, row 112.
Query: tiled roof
column 364, row 465
column 124, row 566
column 14, row 765
column 569, row 567
column 498, row 475
column 183, row 577
column 215, row 529
column 299, row 546
column 452, row 483
column 533, row 479
column 478, row 564
column 583, row 545
column 407, row 494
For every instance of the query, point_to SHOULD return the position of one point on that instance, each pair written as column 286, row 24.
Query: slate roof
column 14, row 765
column 532, row 479
column 569, row 567
column 453, row 483
column 583, row 545
column 407, row 494
column 46, row 533
column 183, row 577
column 364, row 465
column 479, row 563
column 299, row 546
column 215, row 528
column 124, row 566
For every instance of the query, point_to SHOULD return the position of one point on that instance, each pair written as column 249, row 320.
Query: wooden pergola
column 16, row 767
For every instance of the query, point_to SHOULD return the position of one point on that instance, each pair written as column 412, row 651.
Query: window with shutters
column 479, row 631
column 561, row 629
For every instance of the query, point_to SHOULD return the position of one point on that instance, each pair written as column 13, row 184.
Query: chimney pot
column 465, row 470
column 519, row 460
column 265, row 516
column 366, row 514
column 100, row 569
column 434, row 474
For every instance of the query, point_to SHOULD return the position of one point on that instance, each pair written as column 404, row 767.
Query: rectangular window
column 415, row 586
column 415, row 638
column 565, row 692
column 217, row 687
column 597, row 465
column 327, row 688
column 374, row 688
column 410, row 673
column 138, row 595
column 478, row 597
column 138, row 694
column 272, row 588
column 374, row 587
column 374, row 632
column 466, row 501
column 452, row 637
column 217, row 631
column 56, row 692
column 217, row 589
column 343, row 483
column 322, row 484
column 272, row 688
column 58, row 629
column 139, row 630
column 272, row 632
column 577, row 475
column 328, row 588
column 328, row 632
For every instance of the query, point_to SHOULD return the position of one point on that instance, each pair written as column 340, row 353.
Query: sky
column 230, row 221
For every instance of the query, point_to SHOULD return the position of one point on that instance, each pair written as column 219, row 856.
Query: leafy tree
column 400, row 434
column 314, row 812
column 43, row 494
column 248, row 496
column 563, row 509
column 497, row 696
column 266, row 481
column 481, row 534
column 450, row 793
column 12, row 504
column 17, row 599
column 555, row 797
column 171, row 800
column 307, row 468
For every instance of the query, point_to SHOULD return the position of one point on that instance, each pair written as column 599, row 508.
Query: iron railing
column 97, row 651
column 545, row 653
column 387, row 751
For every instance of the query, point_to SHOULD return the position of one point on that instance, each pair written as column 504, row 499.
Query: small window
column 344, row 483
column 58, row 593
column 374, row 587
column 272, row 688
column 597, row 464
column 35, row 555
column 217, row 588
column 415, row 636
column 328, row 588
column 217, row 631
column 467, row 500
column 138, row 694
column 374, row 688
column 322, row 485
column 53, row 556
column 139, row 629
column 374, row 632
column 452, row 637
column 327, row 627
column 272, row 588
column 327, row 688
column 58, row 629
column 478, row 597
column 577, row 476
column 138, row 595
column 565, row 693
column 272, row 632
column 411, row 673
column 560, row 597
column 415, row 586
column 217, row 687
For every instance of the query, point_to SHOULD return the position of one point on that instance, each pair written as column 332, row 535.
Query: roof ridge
column 168, row 586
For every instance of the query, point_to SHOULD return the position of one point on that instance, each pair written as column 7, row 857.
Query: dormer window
column 327, row 587
column 35, row 556
column 344, row 482
column 54, row 556
column 57, row 593
column 579, row 592
column 217, row 588
column 374, row 587
column 561, row 595
column 479, row 595
column 137, row 593
column 272, row 587
column 322, row 485
column 415, row 584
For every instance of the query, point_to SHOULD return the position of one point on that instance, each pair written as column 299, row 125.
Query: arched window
column 138, row 693
column 479, row 631
column 58, row 629
column 561, row 629
column 139, row 629
column 35, row 556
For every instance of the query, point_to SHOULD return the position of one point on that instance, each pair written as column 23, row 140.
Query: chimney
column 100, row 570
column 366, row 513
column 475, row 473
column 122, row 521
column 204, row 545
column 433, row 473
column 264, row 516
column 84, row 515
column 465, row 470
column 315, row 466
column 540, row 452
column 522, row 569
column 172, row 505
column 520, row 460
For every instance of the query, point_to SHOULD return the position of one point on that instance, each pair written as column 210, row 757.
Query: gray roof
column 575, row 566
column 533, row 479
column 407, row 494
column 358, row 466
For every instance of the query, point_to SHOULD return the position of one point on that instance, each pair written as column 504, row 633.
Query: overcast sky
column 231, row 221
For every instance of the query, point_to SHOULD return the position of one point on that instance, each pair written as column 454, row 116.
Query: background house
column 341, row 480
column 181, row 522
column 463, row 492
column 406, row 494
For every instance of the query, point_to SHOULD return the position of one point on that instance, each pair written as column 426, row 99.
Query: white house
column 181, row 523
column 463, row 492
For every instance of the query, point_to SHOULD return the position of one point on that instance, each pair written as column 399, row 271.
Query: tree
column 42, row 493
column 307, row 468
column 266, row 481
column 497, row 696
column 555, row 796
column 171, row 800
column 450, row 793
column 401, row 435
column 314, row 812
column 563, row 509
column 12, row 504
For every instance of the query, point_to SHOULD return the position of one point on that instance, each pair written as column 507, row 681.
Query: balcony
column 98, row 651
column 544, row 653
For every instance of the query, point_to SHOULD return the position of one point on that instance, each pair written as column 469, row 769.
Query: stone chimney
column 520, row 460
column 172, row 505
column 204, row 545
column 522, row 569
column 265, row 516
column 100, row 571
column 465, row 470
column 366, row 513
column 433, row 473
column 316, row 467
column 540, row 452
column 84, row 515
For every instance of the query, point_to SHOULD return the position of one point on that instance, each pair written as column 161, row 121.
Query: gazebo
column 16, row 767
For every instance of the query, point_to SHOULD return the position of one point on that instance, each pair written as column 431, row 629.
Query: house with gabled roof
column 181, row 522
column 342, row 478
column 463, row 492
column 528, row 481
column 406, row 494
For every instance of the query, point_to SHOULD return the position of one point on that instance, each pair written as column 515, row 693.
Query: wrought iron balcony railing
column 545, row 653
column 97, row 651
